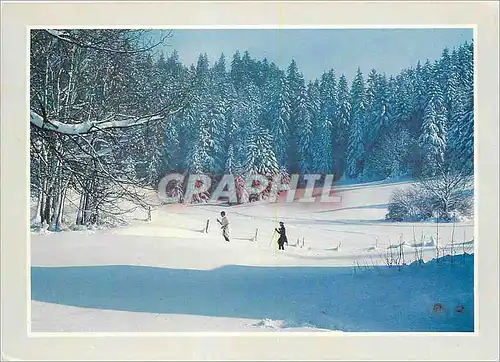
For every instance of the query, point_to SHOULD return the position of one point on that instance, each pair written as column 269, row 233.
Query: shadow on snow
column 339, row 298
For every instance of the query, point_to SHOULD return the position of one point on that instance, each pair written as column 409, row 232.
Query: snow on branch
column 89, row 127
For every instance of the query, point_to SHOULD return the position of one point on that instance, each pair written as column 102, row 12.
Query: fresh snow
column 88, row 127
column 168, row 276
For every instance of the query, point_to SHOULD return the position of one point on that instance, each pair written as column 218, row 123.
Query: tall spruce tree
column 298, row 114
column 306, row 110
column 324, row 124
column 356, row 148
column 341, row 127
column 461, row 138
column 276, row 112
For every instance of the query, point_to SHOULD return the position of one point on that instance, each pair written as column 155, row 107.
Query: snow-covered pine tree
column 465, row 64
column 298, row 110
column 392, row 153
column 371, row 122
column 461, row 138
column 172, row 152
column 303, row 112
column 244, row 124
column 436, row 96
column 443, row 71
column 276, row 112
column 452, row 95
column 431, row 144
column 262, row 72
column 464, row 141
column 324, row 124
column 246, row 113
column 219, row 98
column 181, row 129
column 404, row 96
column 151, row 162
column 175, row 68
column 198, row 158
column 250, row 69
column 340, row 135
column 371, row 88
column 418, row 99
column 378, row 127
column 264, row 159
column 216, row 123
column 355, row 151
column 356, row 148
column 434, row 127
column 169, row 76
column 239, row 130
column 230, row 97
column 202, row 117
column 237, row 70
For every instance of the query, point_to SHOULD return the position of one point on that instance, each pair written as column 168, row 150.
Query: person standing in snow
column 224, row 225
column 282, row 239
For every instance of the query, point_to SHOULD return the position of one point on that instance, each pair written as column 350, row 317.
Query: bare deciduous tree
column 93, row 92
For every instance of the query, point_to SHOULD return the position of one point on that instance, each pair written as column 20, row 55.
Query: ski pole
column 272, row 237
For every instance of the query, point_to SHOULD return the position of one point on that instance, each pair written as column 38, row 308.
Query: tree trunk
column 55, row 223
column 48, row 206
column 58, row 191
column 81, row 205
column 43, row 196
column 64, row 202
column 37, row 217
column 86, row 210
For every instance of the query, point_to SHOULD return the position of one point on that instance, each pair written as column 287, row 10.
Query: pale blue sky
column 317, row 50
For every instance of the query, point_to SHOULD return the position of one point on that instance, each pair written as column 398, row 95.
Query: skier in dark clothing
column 282, row 240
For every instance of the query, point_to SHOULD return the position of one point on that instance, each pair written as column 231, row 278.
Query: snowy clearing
column 167, row 275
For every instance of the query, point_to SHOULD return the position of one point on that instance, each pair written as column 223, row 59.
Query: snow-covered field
column 167, row 275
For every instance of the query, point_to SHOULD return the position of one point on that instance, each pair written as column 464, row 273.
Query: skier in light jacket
column 224, row 225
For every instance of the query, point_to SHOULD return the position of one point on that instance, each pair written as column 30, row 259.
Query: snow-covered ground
column 167, row 275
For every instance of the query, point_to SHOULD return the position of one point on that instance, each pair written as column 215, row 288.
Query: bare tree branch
column 65, row 37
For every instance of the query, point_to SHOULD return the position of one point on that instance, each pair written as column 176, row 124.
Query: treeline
column 250, row 116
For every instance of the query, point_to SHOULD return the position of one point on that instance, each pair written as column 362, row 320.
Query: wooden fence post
column 256, row 233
